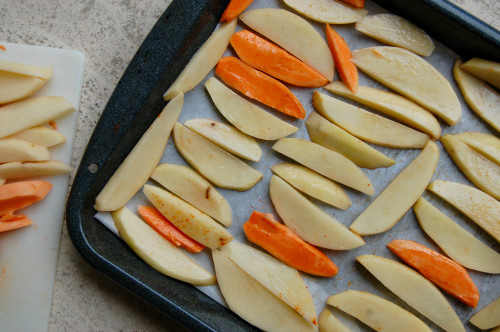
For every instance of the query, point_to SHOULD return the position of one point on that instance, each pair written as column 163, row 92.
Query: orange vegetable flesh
column 441, row 270
column 235, row 8
column 18, row 222
column 275, row 61
column 17, row 195
column 263, row 230
column 169, row 231
column 342, row 58
column 356, row 3
column 259, row 86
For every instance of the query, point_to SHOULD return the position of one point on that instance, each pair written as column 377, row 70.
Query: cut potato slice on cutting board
column 140, row 163
column 327, row 134
column 393, row 105
column 20, row 170
column 399, row 196
column 313, row 184
column 311, row 223
column 486, row 70
column 329, row 323
column 280, row 279
column 203, row 61
column 414, row 289
column 44, row 73
column 194, row 189
column 247, row 298
column 227, row 137
column 15, row 86
column 413, row 77
column 393, row 30
column 488, row 317
column 247, row 117
column 13, row 149
column 327, row 11
column 368, row 126
column 490, row 150
column 376, row 312
column 456, row 242
column 158, row 252
column 191, row 221
column 294, row 34
column 41, row 136
column 217, row 165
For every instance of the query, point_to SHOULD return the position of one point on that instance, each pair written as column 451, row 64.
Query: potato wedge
column 294, row 34
column 13, row 149
column 41, row 136
column 140, row 163
column 184, row 182
column 413, row 77
column 20, row 170
column 158, row 252
column 414, row 289
column 480, row 137
column 456, row 242
column 327, row 11
column 311, row 223
column 44, row 73
column 400, row 195
column 486, row 70
column 327, row 134
column 218, row 166
column 187, row 218
column 15, row 86
column 329, row 323
column 203, row 61
column 488, row 317
column 490, row 151
column 376, row 312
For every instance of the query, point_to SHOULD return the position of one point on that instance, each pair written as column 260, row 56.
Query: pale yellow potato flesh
column 488, row 317
column 203, row 61
column 394, row 30
column 492, row 152
column 480, row 137
column 411, row 76
column 227, row 137
column 13, row 149
column 140, row 163
column 15, row 86
column 481, row 171
column 368, row 126
column 247, row 298
column 41, row 136
column 393, row 105
column 294, row 34
column 414, row 289
column 186, row 183
column 486, row 70
column 400, row 195
column 310, row 222
column 28, row 113
column 2, row 181
column 329, row 323
column 191, row 221
column 327, row 11
column 44, row 73
column 456, row 242
column 280, row 279
column 217, row 165
column 313, row 184
column 247, row 117
column 327, row 134
column 376, row 312
column 480, row 97
column 157, row 251
column 20, row 170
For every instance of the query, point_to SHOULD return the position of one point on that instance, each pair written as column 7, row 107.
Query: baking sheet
column 197, row 104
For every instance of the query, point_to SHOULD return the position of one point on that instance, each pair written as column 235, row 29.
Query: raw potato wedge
column 393, row 30
column 327, row 134
column 194, row 189
column 41, row 136
column 280, row 279
column 313, row 184
column 488, row 317
column 28, row 113
column 218, row 166
column 326, row 162
column 311, row 223
column 368, row 126
column 140, row 163
column 411, row 76
column 481, row 171
column 327, row 11
column 376, row 312
column 227, row 137
column 20, row 170
column 393, row 105
column 480, row 97
column 456, row 242
column 247, row 298
column 329, row 323
column 482, row 138
column 191, row 221
column 44, row 73
column 15, row 86
column 203, row 61
column 294, row 34
column 158, row 252
column 490, row 149
column 13, row 149
column 486, row 70
column 414, row 289
column 399, row 196
column 247, row 117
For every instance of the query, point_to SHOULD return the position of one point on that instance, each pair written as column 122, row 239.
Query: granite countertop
column 108, row 33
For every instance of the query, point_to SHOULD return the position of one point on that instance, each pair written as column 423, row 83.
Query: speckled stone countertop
column 108, row 33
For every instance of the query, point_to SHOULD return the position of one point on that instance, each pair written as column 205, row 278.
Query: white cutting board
column 28, row 256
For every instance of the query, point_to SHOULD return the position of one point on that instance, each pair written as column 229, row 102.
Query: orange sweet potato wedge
column 17, row 195
column 235, row 8
column 342, row 58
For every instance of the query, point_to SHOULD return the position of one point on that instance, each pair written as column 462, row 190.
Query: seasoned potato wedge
column 490, row 149
column 327, row 11
column 484, row 69
column 488, row 317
